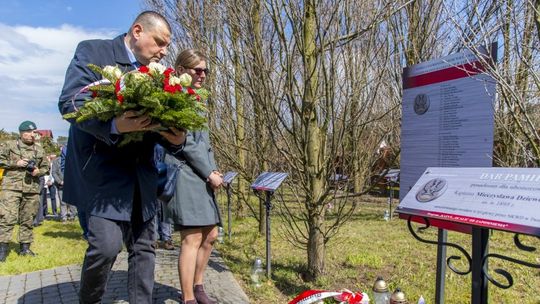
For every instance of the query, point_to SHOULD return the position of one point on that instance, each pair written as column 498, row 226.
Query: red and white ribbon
column 85, row 89
column 344, row 297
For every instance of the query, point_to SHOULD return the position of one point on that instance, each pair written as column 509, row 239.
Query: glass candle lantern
column 398, row 297
column 257, row 272
column 381, row 295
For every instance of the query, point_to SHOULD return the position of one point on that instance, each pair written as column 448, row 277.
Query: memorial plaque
column 229, row 176
column 505, row 199
column 447, row 116
column 392, row 175
column 269, row 181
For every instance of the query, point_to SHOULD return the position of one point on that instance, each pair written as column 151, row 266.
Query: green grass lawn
column 368, row 247
column 55, row 243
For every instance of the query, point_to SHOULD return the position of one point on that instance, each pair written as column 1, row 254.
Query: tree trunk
column 313, row 165
column 240, row 124
column 316, row 249
column 259, row 94
column 537, row 16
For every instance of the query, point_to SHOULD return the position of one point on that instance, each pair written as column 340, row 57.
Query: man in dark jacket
column 116, row 186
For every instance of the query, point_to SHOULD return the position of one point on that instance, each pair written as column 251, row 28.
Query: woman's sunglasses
column 199, row 71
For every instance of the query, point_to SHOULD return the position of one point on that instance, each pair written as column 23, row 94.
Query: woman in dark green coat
column 194, row 209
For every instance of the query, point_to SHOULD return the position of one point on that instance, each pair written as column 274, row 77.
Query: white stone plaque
column 497, row 198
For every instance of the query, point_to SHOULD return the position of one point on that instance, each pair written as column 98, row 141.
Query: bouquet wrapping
column 153, row 90
column 344, row 296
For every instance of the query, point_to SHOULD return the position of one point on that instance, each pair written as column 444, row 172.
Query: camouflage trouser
column 17, row 208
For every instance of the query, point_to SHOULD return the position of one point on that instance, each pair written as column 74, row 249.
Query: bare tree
column 512, row 24
column 322, row 119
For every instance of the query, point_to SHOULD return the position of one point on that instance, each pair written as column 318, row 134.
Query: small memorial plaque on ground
column 229, row 176
column 269, row 181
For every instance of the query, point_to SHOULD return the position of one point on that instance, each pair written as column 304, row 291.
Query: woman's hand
column 215, row 179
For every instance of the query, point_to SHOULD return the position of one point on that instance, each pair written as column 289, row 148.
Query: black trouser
column 105, row 239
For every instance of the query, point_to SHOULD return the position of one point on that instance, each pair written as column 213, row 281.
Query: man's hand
column 35, row 172
column 174, row 136
column 130, row 121
column 215, row 179
column 22, row 163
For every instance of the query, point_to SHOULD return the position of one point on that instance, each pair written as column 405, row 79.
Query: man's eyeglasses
column 199, row 71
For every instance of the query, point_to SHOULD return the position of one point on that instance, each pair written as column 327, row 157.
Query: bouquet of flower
column 344, row 296
column 152, row 90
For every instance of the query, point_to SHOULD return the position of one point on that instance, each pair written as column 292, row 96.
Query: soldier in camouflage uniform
column 23, row 161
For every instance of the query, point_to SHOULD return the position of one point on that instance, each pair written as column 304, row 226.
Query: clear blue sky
column 91, row 14
column 36, row 45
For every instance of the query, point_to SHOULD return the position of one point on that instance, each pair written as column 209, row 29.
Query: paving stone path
column 60, row 285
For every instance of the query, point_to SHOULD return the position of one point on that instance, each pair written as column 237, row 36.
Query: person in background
column 81, row 214
column 23, row 161
column 67, row 211
column 116, row 186
column 193, row 209
column 49, row 190
column 163, row 229
column 40, row 215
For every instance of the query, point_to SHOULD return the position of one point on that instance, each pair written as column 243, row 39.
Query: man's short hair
column 149, row 20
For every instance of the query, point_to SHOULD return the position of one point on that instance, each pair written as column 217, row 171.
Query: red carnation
column 190, row 91
column 144, row 69
column 168, row 72
column 117, row 91
column 172, row 89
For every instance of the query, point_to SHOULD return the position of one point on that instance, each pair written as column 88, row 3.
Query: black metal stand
column 504, row 273
column 450, row 259
column 229, row 210
column 480, row 240
column 390, row 197
column 477, row 264
column 268, row 205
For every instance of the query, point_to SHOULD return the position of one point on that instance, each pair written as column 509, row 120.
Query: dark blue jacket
column 101, row 177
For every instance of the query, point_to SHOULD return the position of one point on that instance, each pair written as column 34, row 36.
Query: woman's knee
column 192, row 238
column 211, row 235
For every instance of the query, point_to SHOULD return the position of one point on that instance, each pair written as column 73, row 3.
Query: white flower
column 112, row 73
column 156, row 67
column 173, row 80
column 138, row 76
column 185, row 80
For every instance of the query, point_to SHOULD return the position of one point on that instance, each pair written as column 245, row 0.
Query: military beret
column 27, row 126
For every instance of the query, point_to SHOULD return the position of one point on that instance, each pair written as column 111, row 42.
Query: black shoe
column 25, row 250
column 4, row 251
